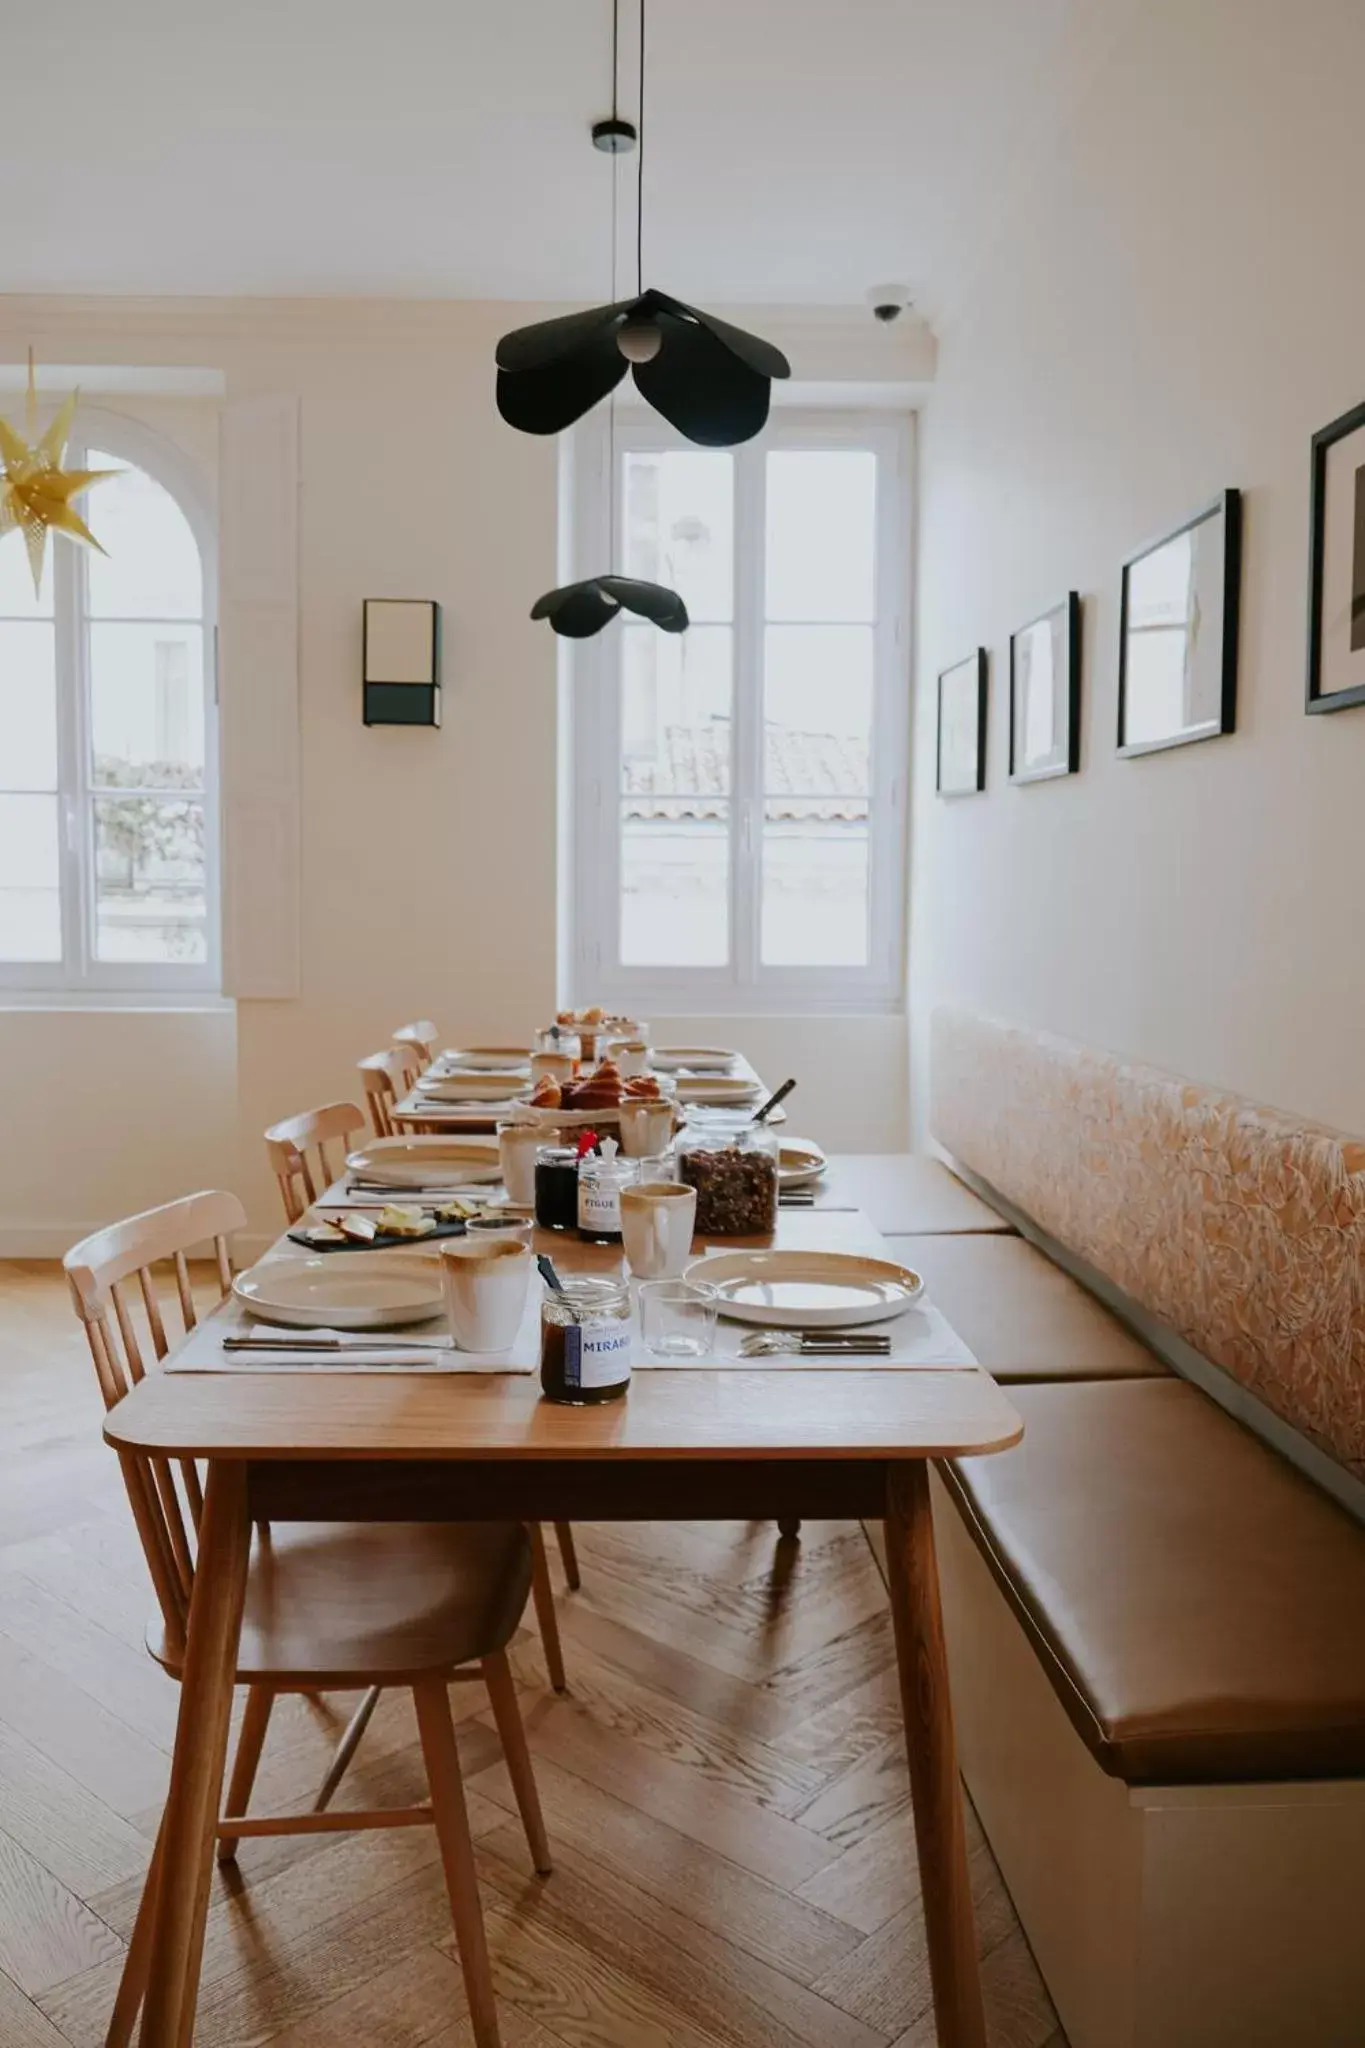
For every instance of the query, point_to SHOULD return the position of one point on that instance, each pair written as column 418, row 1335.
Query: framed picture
column 1336, row 566
column 962, row 727
column 401, row 660
column 1045, row 694
column 1178, row 632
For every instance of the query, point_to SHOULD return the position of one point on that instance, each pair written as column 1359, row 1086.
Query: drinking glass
column 678, row 1318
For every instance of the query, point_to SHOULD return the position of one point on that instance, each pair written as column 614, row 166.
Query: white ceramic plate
column 702, row 1059
column 717, row 1090
column 428, row 1162
column 799, row 1163
column 488, row 1087
column 342, row 1290
column 807, row 1290
column 498, row 1059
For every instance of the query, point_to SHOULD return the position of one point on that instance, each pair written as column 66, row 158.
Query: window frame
column 745, row 986
column 79, row 975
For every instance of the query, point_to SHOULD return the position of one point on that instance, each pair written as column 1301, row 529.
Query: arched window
column 108, row 744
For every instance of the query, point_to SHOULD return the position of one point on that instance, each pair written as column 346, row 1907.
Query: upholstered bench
column 906, row 1193
column 1156, row 1613
column 1021, row 1315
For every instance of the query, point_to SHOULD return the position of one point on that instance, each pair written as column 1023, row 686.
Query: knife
column 353, row 1340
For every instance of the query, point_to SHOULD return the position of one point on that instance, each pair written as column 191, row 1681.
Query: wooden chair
column 328, row 1605
column 301, row 1179
column 421, row 1038
column 387, row 1076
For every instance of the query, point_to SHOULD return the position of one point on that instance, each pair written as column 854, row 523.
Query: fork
column 816, row 1343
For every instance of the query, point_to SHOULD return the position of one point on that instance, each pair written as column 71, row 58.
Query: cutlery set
column 816, row 1344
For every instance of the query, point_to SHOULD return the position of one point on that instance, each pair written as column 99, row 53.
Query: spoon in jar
column 779, row 1095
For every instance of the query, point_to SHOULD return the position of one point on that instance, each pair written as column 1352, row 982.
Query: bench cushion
column 1198, row 1605
column 1023, row 1317
column 907, row 1193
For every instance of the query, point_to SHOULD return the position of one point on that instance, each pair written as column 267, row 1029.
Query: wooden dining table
column 738, row 1441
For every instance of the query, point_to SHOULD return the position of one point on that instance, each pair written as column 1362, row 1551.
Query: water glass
column 678, row 1318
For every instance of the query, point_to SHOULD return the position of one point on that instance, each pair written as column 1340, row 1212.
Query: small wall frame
column 962, row 703
column 1045, row 694
column 401, row 661
column 1336, row 602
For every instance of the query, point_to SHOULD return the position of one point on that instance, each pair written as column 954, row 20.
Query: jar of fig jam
column 557, row 1187
column 585, row 1337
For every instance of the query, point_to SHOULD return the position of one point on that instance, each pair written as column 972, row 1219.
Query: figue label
column 597, row 1354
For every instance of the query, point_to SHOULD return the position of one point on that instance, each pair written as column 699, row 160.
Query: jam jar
column 557, row 1187
column 601, row 1177
column 732, row 1163
column 585, row 1340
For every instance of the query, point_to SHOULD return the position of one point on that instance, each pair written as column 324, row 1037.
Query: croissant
column 547, row 1093
column 644, row 1088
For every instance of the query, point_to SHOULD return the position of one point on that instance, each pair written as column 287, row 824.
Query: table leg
column 917, row 1617
column 197, row 1764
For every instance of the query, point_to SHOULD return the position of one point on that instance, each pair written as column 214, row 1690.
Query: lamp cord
column 640, row 171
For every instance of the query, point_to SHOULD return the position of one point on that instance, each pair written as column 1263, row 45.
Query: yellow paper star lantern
column 35, row 490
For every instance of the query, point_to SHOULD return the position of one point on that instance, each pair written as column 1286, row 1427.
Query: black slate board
column 386, row 1240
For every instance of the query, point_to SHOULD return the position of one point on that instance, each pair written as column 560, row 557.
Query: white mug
column 631, row 1056
column 513, row 1222
column 656, row 1228
column 558, row 1066
column 517, row 1156
column 486, row 1284
column 646, row 1127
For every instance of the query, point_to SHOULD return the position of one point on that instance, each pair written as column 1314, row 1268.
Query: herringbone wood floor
column 725, row 1791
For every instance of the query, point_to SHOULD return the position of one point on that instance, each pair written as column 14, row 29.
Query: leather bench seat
column 907, row 1194
column 1197, row 1604
column 1023, row 1317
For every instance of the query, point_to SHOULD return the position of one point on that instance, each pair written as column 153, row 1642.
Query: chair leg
column 137, row 1962
column 256, row 1719
column 568, row 1555
column 346, row 1748
column 542, row 1592
column 789, row 1526
column 502, row 1694
column 451, row 1816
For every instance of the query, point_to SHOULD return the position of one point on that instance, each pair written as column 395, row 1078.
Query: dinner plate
column 428, row 1162
column 485, row 1087
column 499, row 1059
column 702, row 1059
column 342, row 1290
column 799, row 1163
column 717, row 1090
column 807, row 1290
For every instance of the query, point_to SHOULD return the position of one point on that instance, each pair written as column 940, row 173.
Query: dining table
column 720, row 1438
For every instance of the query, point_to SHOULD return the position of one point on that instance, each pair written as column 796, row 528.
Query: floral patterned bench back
column 1241, row 1227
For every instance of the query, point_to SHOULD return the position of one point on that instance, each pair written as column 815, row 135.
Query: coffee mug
column 511, row 1222
column 558, row 1066
column 517, row 1156
column 631, row 1056
column 656, row 1228
column 486, row 1283
column 646, row 1128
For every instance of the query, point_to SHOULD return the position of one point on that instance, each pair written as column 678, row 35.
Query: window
column 739, row 788
column 108, row 818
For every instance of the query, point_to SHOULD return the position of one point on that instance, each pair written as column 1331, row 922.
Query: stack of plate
column 342, row 1291
column 496, row 1059
column 799, row 1163
column 504, row 1086
column 693, row 1059
column 427, row 1162
column 807, row 1290
column 718, row 1091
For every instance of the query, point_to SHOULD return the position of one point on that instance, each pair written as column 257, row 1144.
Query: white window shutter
column 259, row 694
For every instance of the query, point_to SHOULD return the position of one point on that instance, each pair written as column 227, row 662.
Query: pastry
column 643, row 1088
column 547, row 1093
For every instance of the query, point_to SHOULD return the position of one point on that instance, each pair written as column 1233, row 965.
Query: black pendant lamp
column 710, row 380
column 578, row 610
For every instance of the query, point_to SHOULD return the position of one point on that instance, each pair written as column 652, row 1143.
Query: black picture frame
column 1070, row 610
column 974, row 788
column 414, row 697
column 1227, row 507
column 1316, row 698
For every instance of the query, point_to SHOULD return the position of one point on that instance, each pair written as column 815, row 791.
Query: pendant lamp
column 710, row 380
column 578, row 610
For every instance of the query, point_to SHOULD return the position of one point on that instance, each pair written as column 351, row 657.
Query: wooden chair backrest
column 288, row 1144
column 420, row 1038
column 98, row 1270
column 387, row 1076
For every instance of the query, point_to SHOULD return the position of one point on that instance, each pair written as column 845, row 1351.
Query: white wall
column 1175, row 304
column 411, row 486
